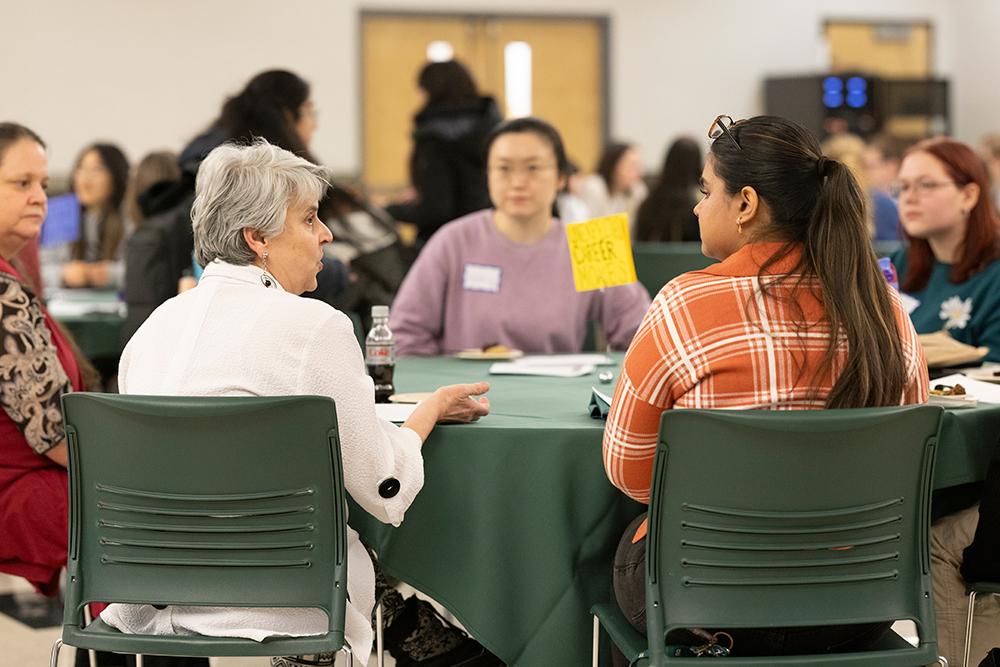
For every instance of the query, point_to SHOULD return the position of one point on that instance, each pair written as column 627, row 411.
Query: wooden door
column 393, row 51
column 567, row 77
column 568, row 74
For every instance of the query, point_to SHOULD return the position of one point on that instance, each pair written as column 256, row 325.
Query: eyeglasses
column 532, row 171
column 922, row 187
column 721, row 126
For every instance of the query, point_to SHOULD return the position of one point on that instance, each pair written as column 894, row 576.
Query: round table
column 516, row 527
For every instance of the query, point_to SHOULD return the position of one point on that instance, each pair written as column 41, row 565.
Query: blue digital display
column 856, row 84
column 833, row 100
column 856, row 100
column 833, row 84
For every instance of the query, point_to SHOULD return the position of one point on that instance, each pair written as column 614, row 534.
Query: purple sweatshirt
column 471, row 286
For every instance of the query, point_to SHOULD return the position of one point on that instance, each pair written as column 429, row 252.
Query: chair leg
column 379, row 637
column 968, row 628
column 87, row 618
column 138, row 660
column 597, row 642
column 54, row 657
column 943, row 661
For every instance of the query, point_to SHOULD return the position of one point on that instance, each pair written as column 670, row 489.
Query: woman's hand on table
column 462, row 403
column 453, row 404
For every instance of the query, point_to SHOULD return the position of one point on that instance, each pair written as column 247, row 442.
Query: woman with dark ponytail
column 796, row 316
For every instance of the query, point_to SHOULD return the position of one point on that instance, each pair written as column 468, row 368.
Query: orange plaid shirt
column 709, row 340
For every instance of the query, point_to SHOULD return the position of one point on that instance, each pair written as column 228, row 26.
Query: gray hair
column 248, row 186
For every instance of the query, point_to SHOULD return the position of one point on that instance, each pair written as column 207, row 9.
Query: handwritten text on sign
column 601, row 252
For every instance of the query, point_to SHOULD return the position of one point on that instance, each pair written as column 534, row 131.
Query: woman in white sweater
column 245, row 331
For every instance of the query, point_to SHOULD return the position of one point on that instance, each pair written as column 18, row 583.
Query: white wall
column 150, row 74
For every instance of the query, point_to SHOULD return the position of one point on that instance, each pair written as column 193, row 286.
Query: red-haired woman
column 949, row 274
column 950, row 279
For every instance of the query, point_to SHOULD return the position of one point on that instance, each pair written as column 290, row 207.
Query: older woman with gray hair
column 244, row 331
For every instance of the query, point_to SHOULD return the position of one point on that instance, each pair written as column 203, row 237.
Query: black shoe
column 420, row 637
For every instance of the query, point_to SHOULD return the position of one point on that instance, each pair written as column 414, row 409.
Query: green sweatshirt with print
column 969, row 311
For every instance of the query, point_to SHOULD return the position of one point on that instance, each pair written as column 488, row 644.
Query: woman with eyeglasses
column 795, row 316
column 503, row 275
column 949, row 273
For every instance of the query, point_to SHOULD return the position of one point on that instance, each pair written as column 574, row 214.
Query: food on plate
column 945, row 390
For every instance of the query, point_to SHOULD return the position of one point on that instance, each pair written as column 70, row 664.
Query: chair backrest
column 791, row 518
column 223, row 501
column 656, row 264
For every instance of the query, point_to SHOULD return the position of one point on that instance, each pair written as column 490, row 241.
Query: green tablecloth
column 94, row 317
column 516, row 526
column 99, row 335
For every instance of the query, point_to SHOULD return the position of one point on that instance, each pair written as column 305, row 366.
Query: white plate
column 984, row 374
column 953, row 401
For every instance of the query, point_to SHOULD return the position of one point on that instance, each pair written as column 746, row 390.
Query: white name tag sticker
column 482, row 278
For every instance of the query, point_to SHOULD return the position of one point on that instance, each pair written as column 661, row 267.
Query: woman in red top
column 37, row 365
column 796, row 315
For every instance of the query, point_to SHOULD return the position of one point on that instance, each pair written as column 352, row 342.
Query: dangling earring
column 739, row 225
column 265, row 277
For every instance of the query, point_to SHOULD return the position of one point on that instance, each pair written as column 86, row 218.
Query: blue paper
column 62, row 224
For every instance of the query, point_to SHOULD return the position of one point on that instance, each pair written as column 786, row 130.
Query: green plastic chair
column 656, row 264
column 777, row 519
column 221, row 501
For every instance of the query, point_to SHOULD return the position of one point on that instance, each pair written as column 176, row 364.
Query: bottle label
column 379, row 354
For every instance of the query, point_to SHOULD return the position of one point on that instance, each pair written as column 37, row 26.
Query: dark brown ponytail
column 855, row 296
column 816, row 202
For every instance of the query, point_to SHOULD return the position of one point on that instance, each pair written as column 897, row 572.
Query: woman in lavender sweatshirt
column 503, row 275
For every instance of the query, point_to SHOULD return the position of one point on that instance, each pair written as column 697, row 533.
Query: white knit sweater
column 231, row 336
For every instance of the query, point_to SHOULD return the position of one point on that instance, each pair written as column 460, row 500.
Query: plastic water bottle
column 889, row 271
column 380, row 354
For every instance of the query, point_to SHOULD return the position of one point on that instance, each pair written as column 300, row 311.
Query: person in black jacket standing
column 448, row 164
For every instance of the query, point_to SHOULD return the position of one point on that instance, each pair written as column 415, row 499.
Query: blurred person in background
column 96, row 258
column 155, row 173
column 617, row 185
column 881, row 212
column 570, row 207
column 447, row 167
column 990, row 151
column 881, row 159
column 667, row 213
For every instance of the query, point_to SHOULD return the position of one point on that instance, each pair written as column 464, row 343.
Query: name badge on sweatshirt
column 482, row 278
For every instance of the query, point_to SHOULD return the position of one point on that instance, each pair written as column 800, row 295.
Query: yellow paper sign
column 601, row 252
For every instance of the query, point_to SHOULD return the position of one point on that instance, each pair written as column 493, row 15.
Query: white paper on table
column 984, row 392
column 397, row 413
column 558, row 371
column 566, row 360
